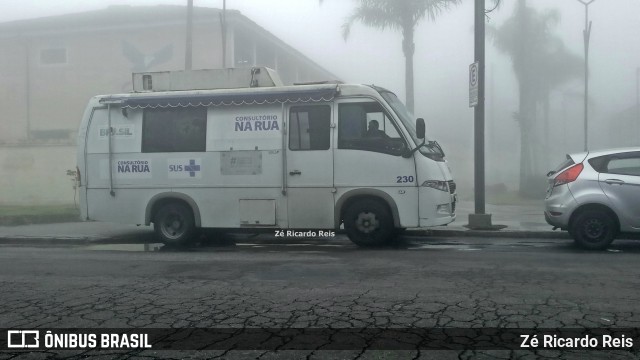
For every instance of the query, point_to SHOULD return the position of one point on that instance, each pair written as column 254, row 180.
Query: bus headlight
column 443, row 209
column 437, row 184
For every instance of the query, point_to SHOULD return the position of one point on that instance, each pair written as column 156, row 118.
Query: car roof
column 596, row 153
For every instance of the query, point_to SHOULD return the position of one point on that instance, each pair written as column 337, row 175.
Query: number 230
column 404, row 179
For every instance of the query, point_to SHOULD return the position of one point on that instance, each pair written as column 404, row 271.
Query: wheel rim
column 173, row 226
column 367, row 222
column 594, row 229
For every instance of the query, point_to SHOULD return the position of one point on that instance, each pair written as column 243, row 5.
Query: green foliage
column 401, row 15
column 395, row 14
column 38, row 210
column 540, row 58
column 541, row 63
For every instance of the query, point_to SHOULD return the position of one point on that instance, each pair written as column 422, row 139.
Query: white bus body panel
column 365, row 172
column 249, row 178
column 309, row 176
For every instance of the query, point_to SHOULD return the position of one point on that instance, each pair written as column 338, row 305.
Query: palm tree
column 557, row 66
column 541, row 63
column 403, row 15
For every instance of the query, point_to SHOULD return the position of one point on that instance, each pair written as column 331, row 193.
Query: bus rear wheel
column 369, row 223
column 174, row 224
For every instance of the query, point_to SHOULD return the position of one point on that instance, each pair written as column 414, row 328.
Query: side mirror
column 420, row 128
column 420, row 134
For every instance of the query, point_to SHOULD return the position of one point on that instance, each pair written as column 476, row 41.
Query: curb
column 503, row 234
column 86, row 240
column 40, row 240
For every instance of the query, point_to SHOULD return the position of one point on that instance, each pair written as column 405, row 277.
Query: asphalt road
column 274, row 283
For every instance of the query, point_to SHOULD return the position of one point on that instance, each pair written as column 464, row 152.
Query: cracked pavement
column 311, row 283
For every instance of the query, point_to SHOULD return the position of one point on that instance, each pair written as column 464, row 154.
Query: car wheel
column 174, row 224
column 594, row 229
column 368, row 223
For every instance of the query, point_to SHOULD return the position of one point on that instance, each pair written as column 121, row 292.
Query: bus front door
column 309, row 167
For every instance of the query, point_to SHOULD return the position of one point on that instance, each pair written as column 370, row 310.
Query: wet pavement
column 450, row 282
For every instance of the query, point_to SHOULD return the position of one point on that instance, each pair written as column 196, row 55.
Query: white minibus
column 318, row 157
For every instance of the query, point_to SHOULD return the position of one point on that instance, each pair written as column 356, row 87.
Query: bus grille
column 452, row 186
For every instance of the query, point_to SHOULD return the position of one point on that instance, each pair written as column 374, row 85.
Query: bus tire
column 369, row 223
column 174, row 224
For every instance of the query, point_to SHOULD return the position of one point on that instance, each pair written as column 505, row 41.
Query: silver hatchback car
column 595, row 196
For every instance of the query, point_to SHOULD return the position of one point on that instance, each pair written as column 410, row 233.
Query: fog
column 444, row 50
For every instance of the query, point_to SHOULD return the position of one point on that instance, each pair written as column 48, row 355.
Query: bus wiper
column 410, row 153
column 431, row 144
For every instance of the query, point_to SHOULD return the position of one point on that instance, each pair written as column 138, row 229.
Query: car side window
column 599, row 163
column 624, row 166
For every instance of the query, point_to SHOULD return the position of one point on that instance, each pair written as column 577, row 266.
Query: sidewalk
column 526, row 220
column 521, row 221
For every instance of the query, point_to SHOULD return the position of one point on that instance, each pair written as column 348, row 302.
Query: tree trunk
column 408, row 48
column 526, row 144
column 546, row 151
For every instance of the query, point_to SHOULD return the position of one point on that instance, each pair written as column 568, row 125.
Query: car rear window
column 566, row 163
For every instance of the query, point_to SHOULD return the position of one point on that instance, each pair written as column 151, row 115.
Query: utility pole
column 189, row 42
column 586, row 34
column 478, row 114
column 492, row 114
column 224, row 33
column 479, row 220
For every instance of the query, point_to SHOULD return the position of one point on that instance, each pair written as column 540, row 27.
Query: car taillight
column 569, row 175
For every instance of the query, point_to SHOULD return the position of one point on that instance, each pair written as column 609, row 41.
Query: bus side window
column 174, row 129
column 309, row 127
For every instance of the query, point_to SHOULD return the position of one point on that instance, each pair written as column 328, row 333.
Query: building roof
column 115, row 16
column 131, row 17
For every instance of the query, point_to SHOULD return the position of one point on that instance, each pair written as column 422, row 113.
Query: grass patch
column 38, row 210
column 42, row 214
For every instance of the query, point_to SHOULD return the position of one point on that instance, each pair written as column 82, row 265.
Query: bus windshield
column 432, row 148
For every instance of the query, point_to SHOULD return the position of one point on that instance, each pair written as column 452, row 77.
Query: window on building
column 174, row 130
column 53, row 56
column 365, row 126
column 244, row 50
column 309, row 127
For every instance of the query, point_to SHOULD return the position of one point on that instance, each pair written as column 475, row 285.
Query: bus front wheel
column 174, row 224
column 369, row 223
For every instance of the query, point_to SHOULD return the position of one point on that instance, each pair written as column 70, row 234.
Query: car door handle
column 614, row 181
column 295, row 172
